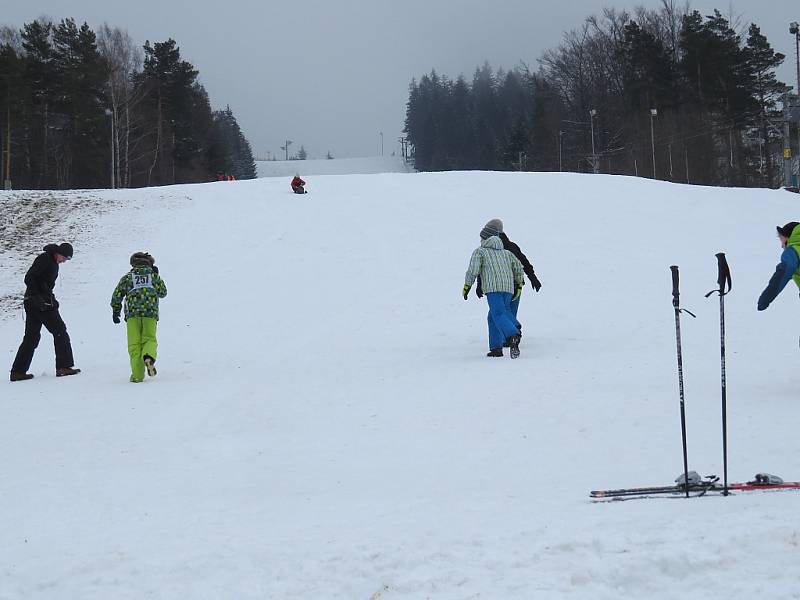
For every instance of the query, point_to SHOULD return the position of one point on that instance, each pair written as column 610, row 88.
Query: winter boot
column 495, row 352
column 64, row 371
column 513, row 343
column 16, row 376
column 150, row 363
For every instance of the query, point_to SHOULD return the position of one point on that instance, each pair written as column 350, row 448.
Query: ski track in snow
column 325, row 423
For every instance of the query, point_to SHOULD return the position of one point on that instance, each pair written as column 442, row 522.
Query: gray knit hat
column 493, row 227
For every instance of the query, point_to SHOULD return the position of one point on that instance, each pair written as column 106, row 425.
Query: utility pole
column 286, row 148
column 402, row 141
column 794, row 28
column 653, row 114
column 787, row 144
column 686, row 161
column 592, row 115
column 670, row 162
column 381, row 142
column 8, row 150
column 560, row 150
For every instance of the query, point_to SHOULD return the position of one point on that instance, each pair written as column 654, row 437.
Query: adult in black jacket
column 41, row 308
column 495, row 227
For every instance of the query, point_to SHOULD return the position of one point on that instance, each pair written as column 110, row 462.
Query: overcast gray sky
column 332, row 74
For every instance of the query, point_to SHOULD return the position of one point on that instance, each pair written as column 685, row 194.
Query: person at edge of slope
column 502, row 279
column 789, row 266
column 141, row 288
column 41, row 308
column 298, row 184
column 495, row 227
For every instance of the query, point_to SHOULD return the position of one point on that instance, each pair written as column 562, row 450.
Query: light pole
column 560, row 150
column 653, row 114
column 794, row 28
column 592, row 115
column 110, row 114
column 381, row 142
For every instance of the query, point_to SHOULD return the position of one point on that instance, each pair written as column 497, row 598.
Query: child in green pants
column 140, row 288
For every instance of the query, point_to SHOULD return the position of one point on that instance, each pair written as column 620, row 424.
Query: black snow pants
column 34, row 319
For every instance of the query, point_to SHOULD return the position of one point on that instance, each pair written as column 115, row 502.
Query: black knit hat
column 65, row 250
column 142, row 259
column 786, row 230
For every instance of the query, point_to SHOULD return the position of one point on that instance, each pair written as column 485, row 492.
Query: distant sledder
column 140, row 289
column 502, row 280
column 298, row 185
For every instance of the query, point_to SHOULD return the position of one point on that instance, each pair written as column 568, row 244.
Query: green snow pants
column 141, row 342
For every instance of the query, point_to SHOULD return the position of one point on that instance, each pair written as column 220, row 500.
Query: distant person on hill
column 495, row 227
column 140, row 288
column 502, row 279
column 41, row 308
column 298, row 185
column 221, row 176
column 788, row 268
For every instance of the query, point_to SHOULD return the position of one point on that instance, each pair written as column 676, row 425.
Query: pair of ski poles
column 723, row 281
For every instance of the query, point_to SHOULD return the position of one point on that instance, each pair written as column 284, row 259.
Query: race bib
column 141, row 281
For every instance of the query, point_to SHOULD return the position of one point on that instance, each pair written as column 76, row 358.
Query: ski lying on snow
column 653, row 491
column 697, row 487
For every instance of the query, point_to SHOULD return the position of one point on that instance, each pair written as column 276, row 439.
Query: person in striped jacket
column 502, row 280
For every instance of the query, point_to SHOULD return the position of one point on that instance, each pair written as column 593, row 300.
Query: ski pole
column 723, row 279
column 676, row 303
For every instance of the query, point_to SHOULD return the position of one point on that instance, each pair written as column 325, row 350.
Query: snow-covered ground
column 325, row 423
column 369, row 165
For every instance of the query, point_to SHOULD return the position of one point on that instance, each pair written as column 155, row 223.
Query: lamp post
column 381, row 142
column 560, row 150
column 653, row 114
column 592, row 115
column 110, row 114
column 794, row 29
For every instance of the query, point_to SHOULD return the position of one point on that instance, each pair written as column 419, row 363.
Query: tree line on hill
column 80, row 109
column 658, row 92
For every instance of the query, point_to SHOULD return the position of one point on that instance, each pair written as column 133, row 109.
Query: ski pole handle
column 675, row 283
column 724, row 273
column 723, row 276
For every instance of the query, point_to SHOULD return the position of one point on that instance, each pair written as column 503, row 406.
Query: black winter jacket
column 41, row 277
column 527, row 267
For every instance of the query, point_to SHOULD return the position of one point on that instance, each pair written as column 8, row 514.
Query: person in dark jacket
column 495, row 227
column 788, row 268
column 298, row 185
column 41, row 308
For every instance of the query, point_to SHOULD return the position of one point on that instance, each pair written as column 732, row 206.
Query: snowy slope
column 369, row 165
column 325, row 423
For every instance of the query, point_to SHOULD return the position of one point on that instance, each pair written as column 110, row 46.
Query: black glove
column 479, row 290
column 43, row 302
column 115, row 318
column 155, row 269
column 537, row 285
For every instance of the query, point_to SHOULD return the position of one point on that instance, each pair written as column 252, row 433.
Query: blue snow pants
column 502, row 323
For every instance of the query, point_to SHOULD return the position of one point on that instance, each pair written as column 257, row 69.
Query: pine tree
column 763, row 61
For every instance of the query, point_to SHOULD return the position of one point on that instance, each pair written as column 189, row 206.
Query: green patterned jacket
column 499, row 269
column 141, row 289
